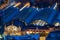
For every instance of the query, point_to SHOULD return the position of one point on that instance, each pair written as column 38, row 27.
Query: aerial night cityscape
column 29, row 19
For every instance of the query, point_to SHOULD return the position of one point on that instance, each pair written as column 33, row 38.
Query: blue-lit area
column 29, row 19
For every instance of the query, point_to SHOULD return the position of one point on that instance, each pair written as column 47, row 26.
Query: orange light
column 28, row 32
column 17, row 4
